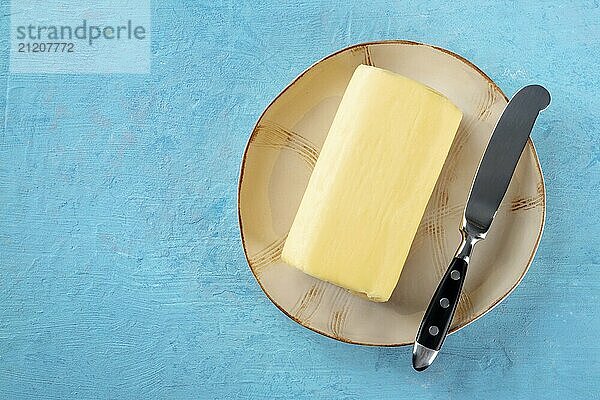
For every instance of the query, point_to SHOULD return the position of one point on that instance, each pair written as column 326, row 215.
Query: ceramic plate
column 282, row 151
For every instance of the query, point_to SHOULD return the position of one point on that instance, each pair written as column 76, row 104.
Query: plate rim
column 285, row 89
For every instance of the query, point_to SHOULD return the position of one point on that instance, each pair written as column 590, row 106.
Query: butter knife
column 489, row 187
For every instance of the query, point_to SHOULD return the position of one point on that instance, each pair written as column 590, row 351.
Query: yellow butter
column 371, row 183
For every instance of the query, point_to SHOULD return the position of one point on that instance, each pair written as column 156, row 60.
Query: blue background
column 122, row 273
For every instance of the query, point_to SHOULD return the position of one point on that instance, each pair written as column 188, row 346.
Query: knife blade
column 489, row 187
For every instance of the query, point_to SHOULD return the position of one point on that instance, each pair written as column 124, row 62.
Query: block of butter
column 371, row 183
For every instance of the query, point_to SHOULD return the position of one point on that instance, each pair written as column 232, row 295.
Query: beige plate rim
column 254, row 130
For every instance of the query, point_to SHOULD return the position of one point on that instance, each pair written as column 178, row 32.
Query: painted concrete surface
column 121, row 269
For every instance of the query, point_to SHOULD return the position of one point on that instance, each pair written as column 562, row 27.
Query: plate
column 282, row 151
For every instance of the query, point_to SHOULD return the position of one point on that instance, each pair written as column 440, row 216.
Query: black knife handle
column 438, row 317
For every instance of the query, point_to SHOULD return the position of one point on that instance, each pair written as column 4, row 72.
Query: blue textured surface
column 122, row 273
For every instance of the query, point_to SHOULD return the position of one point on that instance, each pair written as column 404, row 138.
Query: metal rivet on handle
column 433, row 330
column 444, row 302
column 455, row 275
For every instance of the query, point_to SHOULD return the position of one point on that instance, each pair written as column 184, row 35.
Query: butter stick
column 371, row 183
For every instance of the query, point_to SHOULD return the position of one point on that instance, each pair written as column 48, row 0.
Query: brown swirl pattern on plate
column 267, row 256
column 273, row 135
column 307, row 305
column 530, row 202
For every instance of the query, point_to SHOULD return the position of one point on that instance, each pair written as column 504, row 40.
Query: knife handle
column 438, row 317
